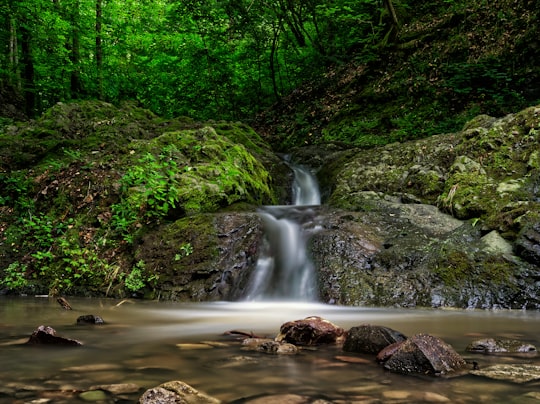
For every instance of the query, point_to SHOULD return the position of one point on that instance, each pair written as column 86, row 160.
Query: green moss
column 467, row 195
column 458, row 269
column 243, row 134
column 188, row 172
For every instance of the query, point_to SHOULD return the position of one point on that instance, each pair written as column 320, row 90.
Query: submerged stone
column 176, row 392
column 500, row 345
column 515, row 373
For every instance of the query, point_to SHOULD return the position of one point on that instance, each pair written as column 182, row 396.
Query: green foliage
column 152, row 191
column 15, row 192
column 135, row 280
column 487, row 81
column 188, row 172
column 14, row 276
column 186, row 250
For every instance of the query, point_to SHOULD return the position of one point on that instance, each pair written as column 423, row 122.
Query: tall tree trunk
column 14, row 77
column 75, row 55
column 29, row 87
column 273, row 51
column 99, row 48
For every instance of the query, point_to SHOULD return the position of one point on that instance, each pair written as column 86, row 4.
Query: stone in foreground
column 425, row 354
column 310, row 331
column 45, row 335
column 176, row 392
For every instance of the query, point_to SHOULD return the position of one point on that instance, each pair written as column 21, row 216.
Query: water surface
column 147, row 343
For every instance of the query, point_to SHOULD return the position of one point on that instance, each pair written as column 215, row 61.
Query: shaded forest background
column 363, row 72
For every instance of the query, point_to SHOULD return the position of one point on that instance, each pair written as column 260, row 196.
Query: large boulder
column 425, row 354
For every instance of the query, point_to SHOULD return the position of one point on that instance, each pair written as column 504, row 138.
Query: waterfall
column 284, row 270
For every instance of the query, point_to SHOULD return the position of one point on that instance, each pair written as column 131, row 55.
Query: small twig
column 64, row 303
column 242, row 333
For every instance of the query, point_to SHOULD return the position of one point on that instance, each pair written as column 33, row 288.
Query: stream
column 148, row 343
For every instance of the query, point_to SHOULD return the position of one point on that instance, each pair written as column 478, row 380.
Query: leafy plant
column 151, row 191
column 15, row 276
column 135, row 279
column 186, row 249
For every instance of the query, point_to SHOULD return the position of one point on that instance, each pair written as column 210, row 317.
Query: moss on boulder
column 87, row 179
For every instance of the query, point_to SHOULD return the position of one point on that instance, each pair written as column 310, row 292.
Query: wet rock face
column 528, row 242
column 492, row 345
column 425, row 354
column 370, row 339
column 485, row 175
column 310, row 331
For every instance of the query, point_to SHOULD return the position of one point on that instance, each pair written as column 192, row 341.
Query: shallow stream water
column 148, row 343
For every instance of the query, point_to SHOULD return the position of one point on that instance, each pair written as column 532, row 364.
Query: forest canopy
column 207, row 59
column 354, row 70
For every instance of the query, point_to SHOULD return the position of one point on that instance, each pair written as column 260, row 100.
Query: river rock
column 270, row 346
column 425, row 354
column 283, row 399
column 176, row 392
column 45, row 335
column 515, row 373
column 90, row 319
column 500, row 345
column 387, row 352
column 370, row 339
column 310, row 331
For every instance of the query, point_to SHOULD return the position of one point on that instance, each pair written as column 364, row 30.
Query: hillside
column 446, row 66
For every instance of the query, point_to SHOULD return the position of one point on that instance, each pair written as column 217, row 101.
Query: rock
column 370, row 339
column 270, row 346
column 93, row 396
column 425, row 354
column 528, row 242
column 45, row 335
column 176, row 392
column 310, row 331
column 90, row 319
column 518, row 373
column 387, row 352
column 493, row 243
column 280, row 398
column 118, row 388
column 491, row 345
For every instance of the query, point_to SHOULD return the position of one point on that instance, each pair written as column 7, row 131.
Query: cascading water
column 284, row 270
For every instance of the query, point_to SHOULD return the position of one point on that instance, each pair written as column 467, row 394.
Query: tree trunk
column 99, row 48
column 14, row 77
column 75, row 55
column 392, row 11
column 28, row 72
column 273, row 51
